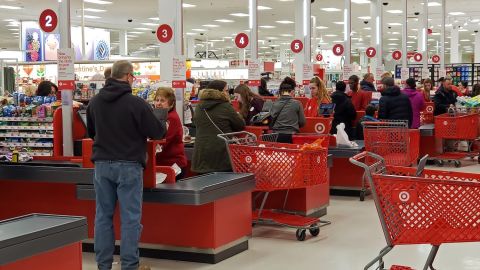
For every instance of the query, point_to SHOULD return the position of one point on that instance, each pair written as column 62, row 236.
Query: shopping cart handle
column 355, row 159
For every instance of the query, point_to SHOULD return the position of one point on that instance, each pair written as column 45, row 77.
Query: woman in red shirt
column 319, row 96
column 360, row 99
column 173, row 152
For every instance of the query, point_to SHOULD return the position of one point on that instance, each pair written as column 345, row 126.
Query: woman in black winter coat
column 344, row 110
column 394, row 105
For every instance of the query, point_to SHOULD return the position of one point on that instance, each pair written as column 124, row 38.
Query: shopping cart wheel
column 314, row 230
column 362, row 195
column 301, row 234
column 439, row 163
column 458, row 164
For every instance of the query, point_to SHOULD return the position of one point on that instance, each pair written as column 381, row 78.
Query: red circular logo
column 48, row 20
column 241, row 40
column 418, row 57
column 338, row 49
column 319, row 57
column 435, row 59
column 371, row 52
column 397, row 55
column 296, row 46
column 164, row 33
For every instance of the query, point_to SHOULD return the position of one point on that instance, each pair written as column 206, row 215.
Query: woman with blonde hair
column 319, row 96
column 427, row 88
column 173, row 151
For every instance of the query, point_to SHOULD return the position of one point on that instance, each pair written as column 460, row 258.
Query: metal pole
column 425, row 37
column 379, row 33
column 442, row 36
column 67, row 95
column 84, row 57
column 253, row 27
column 347, row 17
column 404, row 33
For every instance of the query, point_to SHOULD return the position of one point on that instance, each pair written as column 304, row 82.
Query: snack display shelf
column 26, row 119
column 16, row 144
column 26, row 135
column 26, row 127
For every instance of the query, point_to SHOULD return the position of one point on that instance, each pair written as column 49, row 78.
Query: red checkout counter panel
column 42, row 242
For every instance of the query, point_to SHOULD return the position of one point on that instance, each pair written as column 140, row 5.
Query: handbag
column 261, row 119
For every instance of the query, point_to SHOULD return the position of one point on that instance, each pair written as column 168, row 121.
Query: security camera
column 385, row 3
column 201, row 34
column 476, row 31
column 417, row 13
column 312, row 1
column 130, row 20
column 365, row 22
column 389, row 27
column 153, row 32
column 269, row 41
column 273, row 48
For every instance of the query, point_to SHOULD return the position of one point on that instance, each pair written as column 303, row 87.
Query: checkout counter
column 42, row 242
column 202, row 219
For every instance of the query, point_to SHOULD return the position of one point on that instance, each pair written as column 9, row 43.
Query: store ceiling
column 272, row 34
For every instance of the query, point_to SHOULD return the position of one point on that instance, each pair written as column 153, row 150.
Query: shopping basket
column 278, row 166
column 418, row 206
column 455, row 128
column 393, row 141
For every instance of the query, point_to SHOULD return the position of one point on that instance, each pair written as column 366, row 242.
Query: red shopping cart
column 393, row 141
column 458, row 132
column 318, row 125
column 418, row 206
column 278, row 167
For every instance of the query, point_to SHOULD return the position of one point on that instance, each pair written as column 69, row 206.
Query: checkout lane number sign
column 164, row 33
column 48, row 20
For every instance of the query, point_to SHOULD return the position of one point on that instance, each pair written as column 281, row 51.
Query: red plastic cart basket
column 426, row 116
column 461, row 126
column 422, row 206
column 318, row 125
column 278, row 167
column 302, row 139
column 393, row 141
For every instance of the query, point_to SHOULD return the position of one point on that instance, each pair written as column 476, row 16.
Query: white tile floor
column 354, row 238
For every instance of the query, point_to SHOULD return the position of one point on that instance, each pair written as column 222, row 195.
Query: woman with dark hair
column 250, row 103
column 290, row 82
column 213, row 115
column 319, row 96
column 220, row 86
column 416, row 100
column 476, row 90
column 360, row 98
column 46, row 88
column 287, row 114
column 463, row 88
column 262, row 89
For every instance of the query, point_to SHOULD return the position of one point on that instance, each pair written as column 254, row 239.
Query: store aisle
column 354, row 238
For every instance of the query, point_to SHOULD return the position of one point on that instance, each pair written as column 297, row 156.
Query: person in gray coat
column 287, row 115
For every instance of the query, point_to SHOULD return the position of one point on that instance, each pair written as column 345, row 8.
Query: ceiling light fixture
column 330, row 9
column 185, row 5
column 267, row 26
column 365, row 18
column 211, row 25
column 456, row 13
column 89, row 17
column 199, row 30
column 361, row 1
column 225, row 20
column 9, row 7
column 395, row 24
column 150, row 24
column 263, row 8
column 239, row 14
column 322, row 27
column 99, row 2
column 395, row 11
column 341, row 23
column 284, row 22
column 96, row 10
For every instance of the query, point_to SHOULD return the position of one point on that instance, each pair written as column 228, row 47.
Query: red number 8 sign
column 396, row 55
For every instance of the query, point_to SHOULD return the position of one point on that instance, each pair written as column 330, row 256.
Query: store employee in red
column 173, row 152
column 119, row 124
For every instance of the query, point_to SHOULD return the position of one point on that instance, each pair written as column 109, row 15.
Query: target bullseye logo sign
column 445, row 123
column 319, row 160
column 404, row 196
column 248, row 159
column 320, row 128
column 429, row 109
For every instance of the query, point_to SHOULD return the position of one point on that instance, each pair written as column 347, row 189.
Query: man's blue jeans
column 122, row 181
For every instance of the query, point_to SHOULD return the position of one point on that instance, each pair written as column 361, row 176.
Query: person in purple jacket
column 416, row 99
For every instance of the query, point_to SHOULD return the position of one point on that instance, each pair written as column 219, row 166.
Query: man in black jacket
column 394, row 105
column 344, row 110
column 367, row 83
column 120, row 123
column 445, row 97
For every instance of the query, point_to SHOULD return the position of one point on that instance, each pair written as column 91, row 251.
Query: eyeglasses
column 133, row 76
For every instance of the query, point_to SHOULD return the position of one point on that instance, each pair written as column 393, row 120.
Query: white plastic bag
column 342, row 137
